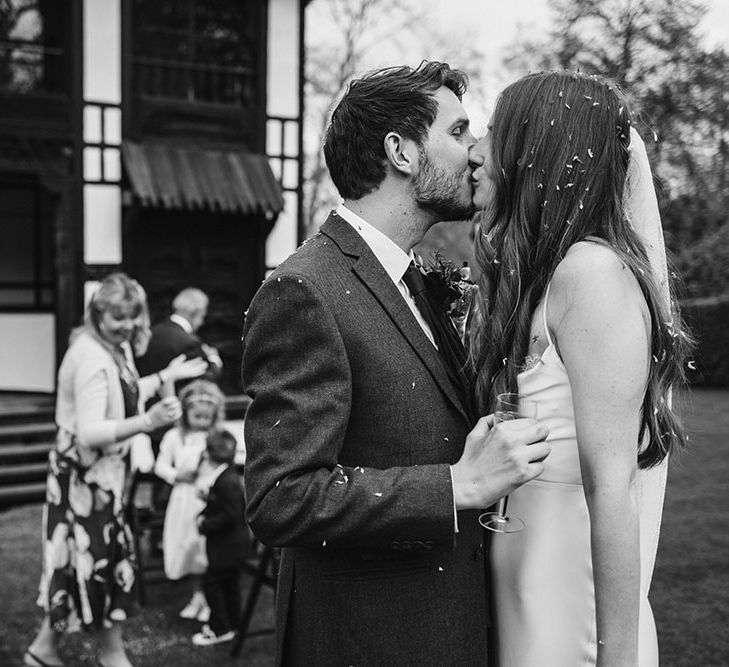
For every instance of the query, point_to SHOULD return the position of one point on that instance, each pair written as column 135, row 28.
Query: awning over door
column 170, row 176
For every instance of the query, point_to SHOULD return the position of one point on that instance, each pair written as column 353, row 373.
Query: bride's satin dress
column 542, row 577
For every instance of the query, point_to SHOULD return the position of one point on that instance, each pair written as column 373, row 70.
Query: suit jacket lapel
column 369, row 270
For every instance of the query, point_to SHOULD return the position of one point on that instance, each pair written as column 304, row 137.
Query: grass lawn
column 690, row 591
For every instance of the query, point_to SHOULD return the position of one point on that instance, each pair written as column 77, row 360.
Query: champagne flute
column 508, row 406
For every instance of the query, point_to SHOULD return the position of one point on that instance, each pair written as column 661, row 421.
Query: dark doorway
column 221, row 254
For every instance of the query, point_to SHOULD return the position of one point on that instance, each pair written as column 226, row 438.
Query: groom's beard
column 443, row 191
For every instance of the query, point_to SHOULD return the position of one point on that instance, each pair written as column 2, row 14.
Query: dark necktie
column 445, row 334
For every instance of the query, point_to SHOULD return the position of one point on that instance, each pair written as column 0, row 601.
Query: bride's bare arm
column 600, row 322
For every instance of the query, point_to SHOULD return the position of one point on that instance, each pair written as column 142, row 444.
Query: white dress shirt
column 391, row 256
column 182, row 322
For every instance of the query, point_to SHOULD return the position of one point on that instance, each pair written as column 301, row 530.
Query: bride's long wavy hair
column 559, row 143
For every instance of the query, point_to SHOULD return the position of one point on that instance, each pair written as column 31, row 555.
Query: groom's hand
column 498, row 459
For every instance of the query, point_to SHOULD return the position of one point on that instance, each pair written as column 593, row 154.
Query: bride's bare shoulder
column 594, row 271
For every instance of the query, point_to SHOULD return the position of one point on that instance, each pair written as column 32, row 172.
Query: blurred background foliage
column 654, row 49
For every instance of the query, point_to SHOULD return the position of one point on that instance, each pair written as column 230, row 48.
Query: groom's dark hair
column 394, row 99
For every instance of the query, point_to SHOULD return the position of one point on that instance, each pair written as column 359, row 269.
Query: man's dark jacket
column 349, row 436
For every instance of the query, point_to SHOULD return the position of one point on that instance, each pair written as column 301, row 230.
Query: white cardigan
column 89, row 401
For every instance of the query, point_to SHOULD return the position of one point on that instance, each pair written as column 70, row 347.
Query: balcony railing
column 194, row 82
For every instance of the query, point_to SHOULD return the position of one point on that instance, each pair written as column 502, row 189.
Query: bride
column 576, row 315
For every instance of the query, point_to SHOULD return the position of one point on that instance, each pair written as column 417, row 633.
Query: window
column 26, row 246
column 196, row 50
column 33, row 49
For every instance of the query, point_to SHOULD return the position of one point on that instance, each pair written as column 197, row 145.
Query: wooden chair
column 141, row 521
column 264, row 570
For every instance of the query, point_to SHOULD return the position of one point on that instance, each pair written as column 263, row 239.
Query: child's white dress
column 183, row 546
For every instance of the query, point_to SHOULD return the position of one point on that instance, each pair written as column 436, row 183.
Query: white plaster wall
column 283, row 100
column 283, row 58
column 102, row 51
column 27, row 352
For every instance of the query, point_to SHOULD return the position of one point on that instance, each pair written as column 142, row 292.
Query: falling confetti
column 412, row 386
column 378, row 494
column 692, row 365
column 278, row 421
column 589, row 152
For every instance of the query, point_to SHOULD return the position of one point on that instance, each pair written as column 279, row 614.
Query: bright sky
column 491, row 26
column 497, row 21
column 496, row 24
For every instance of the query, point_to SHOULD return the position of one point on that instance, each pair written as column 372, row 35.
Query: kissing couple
column 372, row 447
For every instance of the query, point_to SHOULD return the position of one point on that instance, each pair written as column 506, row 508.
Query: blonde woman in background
column 88, row 560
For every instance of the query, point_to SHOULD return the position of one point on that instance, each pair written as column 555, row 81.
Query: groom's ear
column 401, row 153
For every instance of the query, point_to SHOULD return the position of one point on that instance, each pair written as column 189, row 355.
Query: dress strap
column 544, row 312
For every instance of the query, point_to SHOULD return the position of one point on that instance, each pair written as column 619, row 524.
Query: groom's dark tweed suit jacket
column 348, row 437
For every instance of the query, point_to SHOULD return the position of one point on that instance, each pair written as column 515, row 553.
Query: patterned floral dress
column 89, row 565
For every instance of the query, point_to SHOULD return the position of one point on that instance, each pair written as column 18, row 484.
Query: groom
column 359, row 458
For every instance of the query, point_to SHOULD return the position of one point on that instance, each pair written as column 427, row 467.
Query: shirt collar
column 178, row 319
column 388, row 253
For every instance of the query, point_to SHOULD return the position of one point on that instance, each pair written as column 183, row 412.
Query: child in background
column 223, row 524
column 183, row 463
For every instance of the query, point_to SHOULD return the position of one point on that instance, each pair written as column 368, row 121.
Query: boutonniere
column 451, row 287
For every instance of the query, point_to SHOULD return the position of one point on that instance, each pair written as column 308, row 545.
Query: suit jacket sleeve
column 296, row 369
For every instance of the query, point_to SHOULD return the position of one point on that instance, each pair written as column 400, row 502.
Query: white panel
column 92, row 124
column 273, row 137
column 112, row 126
column 102, row 50
column 291, row 139
column 281, row 241
column 112, row 164
column 283, row 58
column 290, row 174
column 92, row 164
column 27, row 352
column 102, row 224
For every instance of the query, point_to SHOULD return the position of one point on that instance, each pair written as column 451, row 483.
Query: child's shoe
column 206, row 637
column 194, row 606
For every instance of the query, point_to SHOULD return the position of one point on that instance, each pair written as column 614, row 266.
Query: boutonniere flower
column 451, row 288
